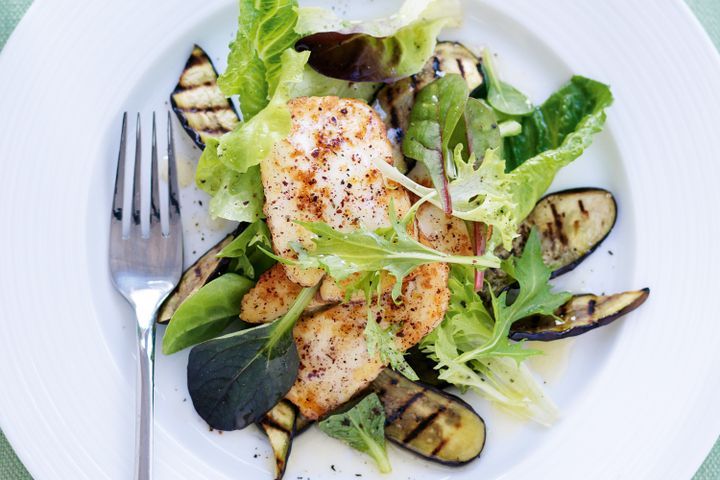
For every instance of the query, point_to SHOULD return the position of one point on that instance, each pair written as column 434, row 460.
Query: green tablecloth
column 12, row 10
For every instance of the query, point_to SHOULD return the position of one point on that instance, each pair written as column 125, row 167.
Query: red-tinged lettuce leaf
column 361, row 57
column 437, row 110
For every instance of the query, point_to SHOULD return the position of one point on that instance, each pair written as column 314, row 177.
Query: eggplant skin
column 279, row 424
column 208, row 267
column 198, row 102
column 435, row 425
column 580, row 314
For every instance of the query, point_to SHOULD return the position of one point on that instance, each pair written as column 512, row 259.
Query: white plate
column 638, row 397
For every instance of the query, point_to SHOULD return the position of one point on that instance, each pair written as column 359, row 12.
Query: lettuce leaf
column 561, row 114
column 487, row 193
column 363, row 57
column 235, row 196
column 471, row 345
column 251, row 141
column 316, row 19
column 265, row 30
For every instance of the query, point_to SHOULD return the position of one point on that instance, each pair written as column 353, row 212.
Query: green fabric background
column 708, row 11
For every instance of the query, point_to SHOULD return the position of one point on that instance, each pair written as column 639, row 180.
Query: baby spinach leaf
column 206, row 313
column 437, row 110
column 363, row 428
column 502, row 96
column 560, row 115
column 235, row 379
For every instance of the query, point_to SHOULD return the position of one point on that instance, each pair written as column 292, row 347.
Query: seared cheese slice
column 272, row 296
column 325, row 171
column 334, row 361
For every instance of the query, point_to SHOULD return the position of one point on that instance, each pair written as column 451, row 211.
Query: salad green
column 490, row 155
column 503, row 97
column 434, row 117
column 391, row 249
column 471, row 346
column 235, row 379
column 362, row 427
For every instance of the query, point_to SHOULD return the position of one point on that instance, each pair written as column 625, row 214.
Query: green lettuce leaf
column 247, row 258
column 206, row 313
column 265, row 30
column 252, row 140
column 434, row 116
column 561, row 114
column 471, row 345
column 487, row 193
column 315, row 84
column 235, row 196
column 355, row 55
column 363, row 428
column 316, row 19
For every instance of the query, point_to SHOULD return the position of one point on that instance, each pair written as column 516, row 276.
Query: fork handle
column 145, row 409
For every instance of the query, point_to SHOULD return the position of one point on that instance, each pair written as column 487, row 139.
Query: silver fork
column 145, row 268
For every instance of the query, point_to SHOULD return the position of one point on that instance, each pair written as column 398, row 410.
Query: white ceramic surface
column 639, row 398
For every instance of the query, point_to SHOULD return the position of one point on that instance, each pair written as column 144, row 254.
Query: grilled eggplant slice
column 302, row 423
column 198, row 102
column 208, row 267
column 571, row 223
column 433, row 424
column 579, row 315
column 279, row 426
column 395, row 101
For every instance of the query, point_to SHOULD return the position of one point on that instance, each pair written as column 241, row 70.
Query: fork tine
column 174, row 205
column 137, row 181
column 154, row 181
column 118, row 194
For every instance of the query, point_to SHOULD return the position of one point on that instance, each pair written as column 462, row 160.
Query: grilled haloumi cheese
column 324, row 171
column 272, row 296
column 334, row 360
column 442, row 232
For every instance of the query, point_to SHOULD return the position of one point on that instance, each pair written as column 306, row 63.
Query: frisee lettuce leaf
column 363, row 428
column 383, row 343
column 433, row 119
column 471, row 345
column 389, row 249
column 487, row 193
column 265, row 30
column 380, row 341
